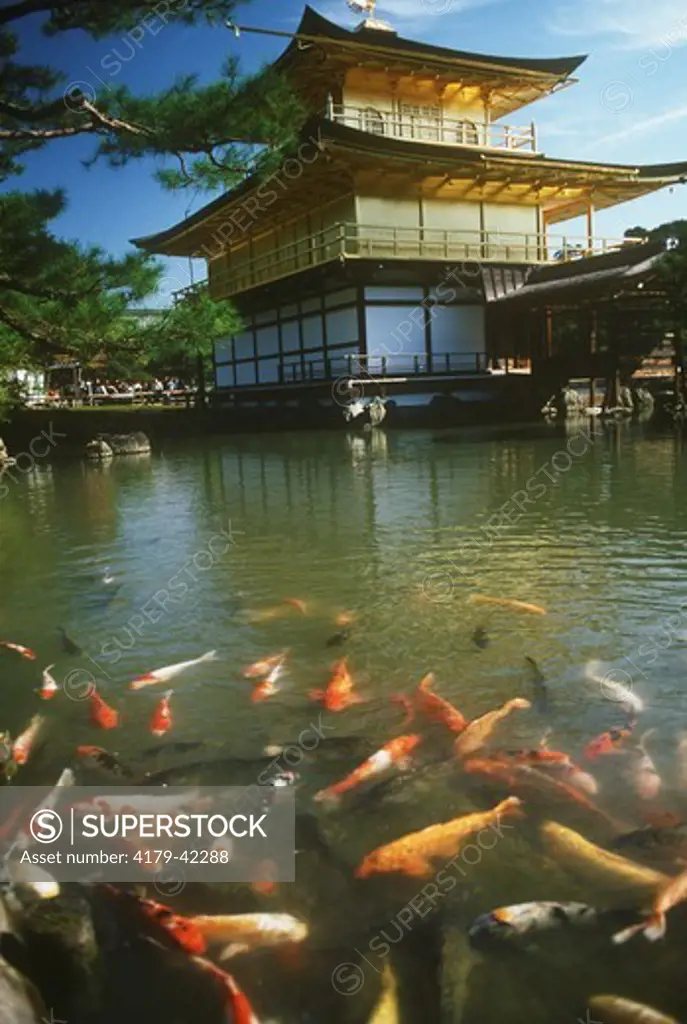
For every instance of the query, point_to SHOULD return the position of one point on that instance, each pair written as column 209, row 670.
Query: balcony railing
column 358, row 241
column 370, row 367
column 448, row 131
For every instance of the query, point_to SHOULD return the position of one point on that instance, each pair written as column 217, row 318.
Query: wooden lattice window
column 467, row 133
column 421, row 122
column 373, row 121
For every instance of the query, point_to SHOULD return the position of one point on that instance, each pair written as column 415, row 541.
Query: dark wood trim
column 362, row 320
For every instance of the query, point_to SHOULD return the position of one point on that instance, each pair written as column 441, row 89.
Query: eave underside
column 325, row 52
column 562, row 189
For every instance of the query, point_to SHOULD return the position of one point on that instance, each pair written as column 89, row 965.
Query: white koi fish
column 612, row 689
column 163, row 675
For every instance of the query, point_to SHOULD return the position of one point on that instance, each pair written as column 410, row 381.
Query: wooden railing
column 447, row 131
column 371, row 367
column 355, row 241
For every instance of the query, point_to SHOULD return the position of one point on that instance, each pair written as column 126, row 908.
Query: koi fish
column 387, row 1010
column 163, row 675
column 264, row 666
column 436, row 708
column 608, row 742
column 597, row 865
column 670, row 838
column 268, row 687
column 296, row 603
column 107, row 762
column 524, row 777
column 520, row 921
column 613, row 690
column 412, row 854
column 395, row 754
column 681, row 758
column 24, row 837
column 558, row 764
column 339, row 694
column 541, row 693
column 49, row 686
column 616, row 1010
column 25, row 652
column 235, row 999
column 477, row 732
column 23, row 745
column 68, row 645
column 246, row 932
column 508, row 602
column 161, row 720
column 654, row 926
column 181, row 930
column 344, row 619
column 479, row 637
column 101, row 713
column 642, row 772
column 336, row 639
column 33, row 877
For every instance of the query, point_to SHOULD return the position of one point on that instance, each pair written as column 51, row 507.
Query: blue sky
column 630, row 105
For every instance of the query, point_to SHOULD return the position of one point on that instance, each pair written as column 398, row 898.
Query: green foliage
column 213, row 132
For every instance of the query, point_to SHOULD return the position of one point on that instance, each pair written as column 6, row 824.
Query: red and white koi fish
column 395, row 754
column 23, row 745
column 181, row 930
column 163, row 675
column 268, row 687
column 49, row 687
column 162, row 721
column 102, row 715
column 263, row 667
column 25, row 652
column 609, row 742
column 643, row 773
column 339, row 694
column 436, row 708
column 654, row 926
column 237, row 1004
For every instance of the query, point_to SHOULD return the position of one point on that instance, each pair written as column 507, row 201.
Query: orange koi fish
column 609, row 742
column 236, row 1001
column 508, row 602
column 654, row 926
column 412, row 855
column 344, row 619
column 436, row 708
column 25, row 652
column 404, row 702
column 395, row 754
column 296, row 603
column 264, row 666
column 101, row 713
column 477, row 732
column 49, row 686
column 23, row 745
column 161, row 720
column 339, row 694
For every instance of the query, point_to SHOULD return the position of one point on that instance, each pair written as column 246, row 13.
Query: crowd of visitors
column 97, row 392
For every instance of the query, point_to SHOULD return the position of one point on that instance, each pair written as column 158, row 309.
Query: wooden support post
column 590, row 226
column 593, row 326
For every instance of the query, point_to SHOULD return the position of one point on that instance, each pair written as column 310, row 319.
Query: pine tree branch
column 26, row 7
column 29, row 333
column 27, row 134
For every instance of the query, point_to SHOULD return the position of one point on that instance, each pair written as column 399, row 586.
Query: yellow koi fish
column 508, row 602
column 413, row 854
column 597, row 865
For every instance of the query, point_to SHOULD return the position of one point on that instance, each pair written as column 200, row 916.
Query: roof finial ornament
column 367, row 7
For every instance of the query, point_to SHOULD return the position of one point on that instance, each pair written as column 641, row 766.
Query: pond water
column 402, row 529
